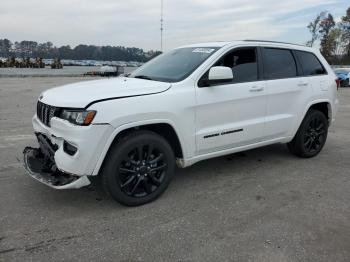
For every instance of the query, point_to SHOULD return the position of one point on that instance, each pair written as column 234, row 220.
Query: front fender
column 133, row 125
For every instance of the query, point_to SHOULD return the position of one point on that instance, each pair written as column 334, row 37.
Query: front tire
column 311, row 135
column 138, row 168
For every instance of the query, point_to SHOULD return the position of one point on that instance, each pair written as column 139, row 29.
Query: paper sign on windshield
column 203, row 50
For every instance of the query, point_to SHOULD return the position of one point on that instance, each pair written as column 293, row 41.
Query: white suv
column 192, row 103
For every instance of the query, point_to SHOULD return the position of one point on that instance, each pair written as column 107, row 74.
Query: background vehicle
column 343, row 75
column 192, row 103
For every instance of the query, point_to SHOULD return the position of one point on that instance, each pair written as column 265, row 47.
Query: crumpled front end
column 67, row 153
column 40, row 164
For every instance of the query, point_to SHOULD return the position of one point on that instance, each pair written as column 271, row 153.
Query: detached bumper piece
column 40, row 164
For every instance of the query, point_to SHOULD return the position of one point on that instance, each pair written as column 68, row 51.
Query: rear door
column 284, row 91
column 313, row 71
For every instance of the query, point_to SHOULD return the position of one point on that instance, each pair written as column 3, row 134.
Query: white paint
column 267, row 111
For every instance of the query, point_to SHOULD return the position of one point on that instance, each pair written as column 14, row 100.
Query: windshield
column 175, row 65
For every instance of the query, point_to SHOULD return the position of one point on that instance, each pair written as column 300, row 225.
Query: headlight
column 78, row 117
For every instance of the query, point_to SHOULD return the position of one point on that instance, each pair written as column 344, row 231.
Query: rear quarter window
column 310, row 64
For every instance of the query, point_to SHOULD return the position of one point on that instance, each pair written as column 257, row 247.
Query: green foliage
column 345, row 26
column 334, row 37
column 326, row 26
column 81, row 52
column 314, row 28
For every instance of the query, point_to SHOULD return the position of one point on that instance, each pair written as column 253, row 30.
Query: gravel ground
column 260, row 205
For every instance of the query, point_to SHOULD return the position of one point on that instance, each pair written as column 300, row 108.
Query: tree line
column 32, row 49
column 334, row 37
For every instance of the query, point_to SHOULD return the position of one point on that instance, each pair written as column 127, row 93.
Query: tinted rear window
column 310, row 64
column 279, row 63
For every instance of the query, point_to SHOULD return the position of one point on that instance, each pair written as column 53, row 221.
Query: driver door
column 232, row 114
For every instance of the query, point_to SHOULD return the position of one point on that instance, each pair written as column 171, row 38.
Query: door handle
column 303, row 84
column 256, row 89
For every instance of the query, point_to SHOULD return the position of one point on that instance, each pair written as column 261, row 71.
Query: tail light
column 337, row 81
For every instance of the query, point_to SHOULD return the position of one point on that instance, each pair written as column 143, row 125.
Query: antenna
column 161, row 25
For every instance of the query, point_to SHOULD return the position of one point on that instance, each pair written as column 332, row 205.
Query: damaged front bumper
column 40, row 164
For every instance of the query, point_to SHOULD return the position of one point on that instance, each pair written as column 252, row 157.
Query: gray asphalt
column 260, row 205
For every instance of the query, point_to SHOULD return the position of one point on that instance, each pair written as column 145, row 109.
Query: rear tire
column 138, row 168
column 311, row 135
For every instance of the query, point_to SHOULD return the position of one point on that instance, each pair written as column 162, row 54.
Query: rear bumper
column 40, row 165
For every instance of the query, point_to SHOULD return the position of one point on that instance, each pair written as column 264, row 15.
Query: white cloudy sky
column 136, row 22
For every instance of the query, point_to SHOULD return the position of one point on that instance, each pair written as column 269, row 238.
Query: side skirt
column 182, row 163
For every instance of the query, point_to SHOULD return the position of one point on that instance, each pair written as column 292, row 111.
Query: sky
column 137, row 22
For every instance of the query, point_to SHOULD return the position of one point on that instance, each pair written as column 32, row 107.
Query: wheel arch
column 161, row 127
column 322, row 105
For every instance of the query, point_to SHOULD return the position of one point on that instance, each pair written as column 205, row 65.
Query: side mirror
column 220, row 74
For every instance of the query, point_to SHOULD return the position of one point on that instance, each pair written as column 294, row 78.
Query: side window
column 279, row 63
column 310, row 64
column 243, row 63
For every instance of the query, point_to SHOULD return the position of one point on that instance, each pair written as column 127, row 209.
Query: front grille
column 45, row 113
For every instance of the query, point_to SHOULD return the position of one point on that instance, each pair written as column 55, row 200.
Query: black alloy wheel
column 138, row 168
column 311, row 135
column 315, row 135
column 142, row 170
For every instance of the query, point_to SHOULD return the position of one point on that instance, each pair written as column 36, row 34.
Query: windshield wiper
column 143, row 77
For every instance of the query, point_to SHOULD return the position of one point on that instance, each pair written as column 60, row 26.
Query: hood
column 79, row 95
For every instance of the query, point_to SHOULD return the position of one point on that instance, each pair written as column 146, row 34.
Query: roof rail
column 269, row 41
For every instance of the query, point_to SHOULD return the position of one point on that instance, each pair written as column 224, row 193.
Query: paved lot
column 260, row 205
column 72, row 71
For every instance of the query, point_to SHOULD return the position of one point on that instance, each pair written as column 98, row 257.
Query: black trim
column 69, row 148
column 231, row 131
column 259, row 57
column 121, row 97
column 212, row 135
column 219, row 82
column 223, row 133
column 298, row 63
column 46, row 112
column 100, row 124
